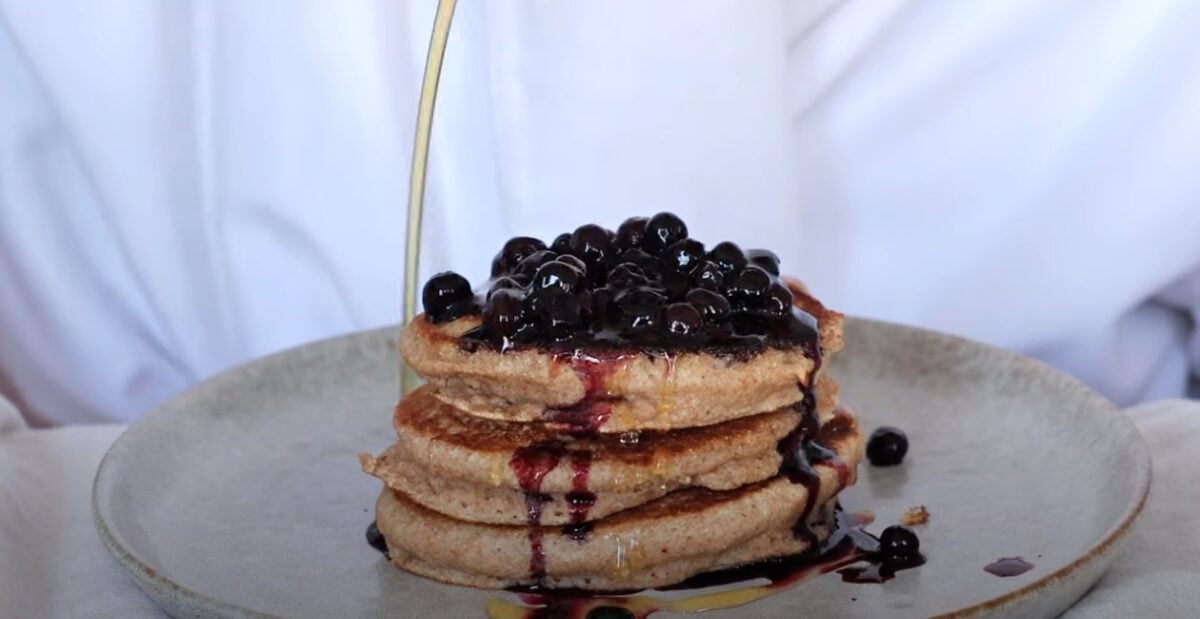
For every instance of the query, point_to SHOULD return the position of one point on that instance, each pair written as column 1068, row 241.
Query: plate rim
column 145, row 576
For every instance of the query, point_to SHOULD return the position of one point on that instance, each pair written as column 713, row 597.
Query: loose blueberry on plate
column 887, row 446
column 375, row 538
column 900, row 547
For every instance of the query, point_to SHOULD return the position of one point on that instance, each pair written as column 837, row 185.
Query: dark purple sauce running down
column 847, row 544
column 646, row 287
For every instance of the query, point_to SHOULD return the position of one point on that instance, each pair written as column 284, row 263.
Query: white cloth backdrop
column 186, row 185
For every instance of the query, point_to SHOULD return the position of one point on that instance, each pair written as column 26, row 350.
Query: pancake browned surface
column 661, row 542
column 615, row 410
column 461, row 466
column 640, row 389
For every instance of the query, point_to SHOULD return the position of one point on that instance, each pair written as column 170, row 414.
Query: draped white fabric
column 185, row 185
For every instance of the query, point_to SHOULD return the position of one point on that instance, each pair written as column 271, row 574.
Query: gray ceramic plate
column 243, row 496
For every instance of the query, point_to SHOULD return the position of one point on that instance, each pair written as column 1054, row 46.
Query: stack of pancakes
column 611, row 468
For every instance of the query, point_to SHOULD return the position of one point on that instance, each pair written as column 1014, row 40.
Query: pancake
column 470, row 468
column 481, row 470
column 639, row 388
column 658, row 543
column 474, row 502
column 619, row 563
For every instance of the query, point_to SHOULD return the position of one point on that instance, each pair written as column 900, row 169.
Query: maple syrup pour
column 420, row 161
column 1009, row 566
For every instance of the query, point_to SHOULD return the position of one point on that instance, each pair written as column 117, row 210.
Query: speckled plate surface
column 243, row 497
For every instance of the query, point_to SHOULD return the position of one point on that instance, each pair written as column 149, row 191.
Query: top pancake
column 643, row 389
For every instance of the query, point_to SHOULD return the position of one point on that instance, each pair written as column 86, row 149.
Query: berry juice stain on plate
column 1009, row 566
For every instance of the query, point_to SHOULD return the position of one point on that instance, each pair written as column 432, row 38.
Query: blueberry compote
column 647, row 286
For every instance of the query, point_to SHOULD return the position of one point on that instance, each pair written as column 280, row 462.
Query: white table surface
column 52, row 563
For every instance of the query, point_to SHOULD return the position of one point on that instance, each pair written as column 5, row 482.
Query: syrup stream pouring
column 420, row 161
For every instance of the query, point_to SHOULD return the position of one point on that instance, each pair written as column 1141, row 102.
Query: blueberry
column 590, row 242
column 685, row 255
column 748, row 287
column 778, row 302
column 638, row 309
column 562, row 243
column 728, row 256
column 513, row 252
column 505, row 312
column 676, row 284
column 712, row 306
column 504, row 283
column 530, row 330
column 573, row 262
column 898, row 541
column 764, row 258
column 627, row 275
column 744, row 323
column 708, row 275
column 597, row 306
column 555, row 278
column 661, row 231
column 887, row 446
column 446, row 296
column 631, row 232
column 561, row 316
column 682, row 319
column 650, row 265
column 585, row 299
column 375, row 538
column 529, row 265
